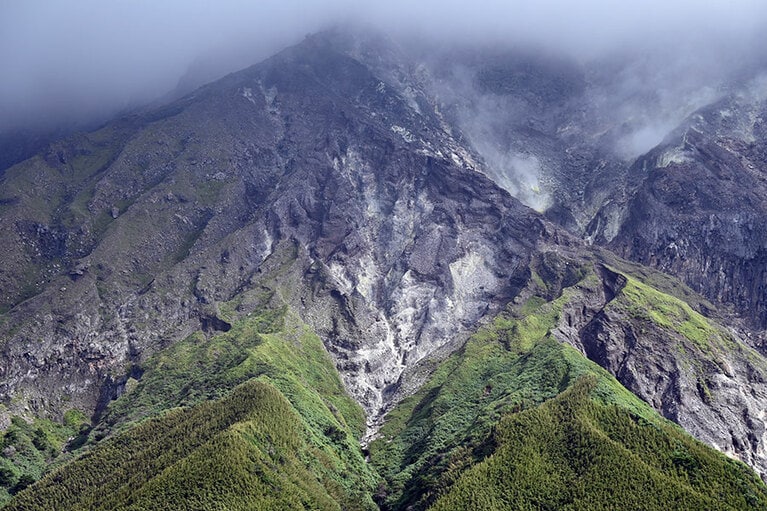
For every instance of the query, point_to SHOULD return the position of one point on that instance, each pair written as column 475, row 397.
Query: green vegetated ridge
column 701, row 345
column 29, row 449
column 576, row 453
column 643, row 302
column 285, row 437
column 517, row 420
column 655, row 280
column 257, row 418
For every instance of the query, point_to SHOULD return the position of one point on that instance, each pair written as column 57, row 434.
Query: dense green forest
column 517, row 420
column 257, row 418
column 575, row 453
column 249, row 450
column 254, row 418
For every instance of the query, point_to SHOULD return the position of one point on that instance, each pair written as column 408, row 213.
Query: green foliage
column 573, row 453
column 257, row 418
column 671, row 313
column 27, row 450
column 511, row 365
column 272, row 344
column 477, row 435
column 9, row 473
column 698, row 340
column 661, row 282
column 313, row 458
column 75, row 419
column 550, row 273
column 250, row 450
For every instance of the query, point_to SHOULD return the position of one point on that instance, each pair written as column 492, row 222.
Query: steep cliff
column 698, row 210
column 330, row 210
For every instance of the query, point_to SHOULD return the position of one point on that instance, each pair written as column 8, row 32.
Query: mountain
column 313, row 284
column 698, row 211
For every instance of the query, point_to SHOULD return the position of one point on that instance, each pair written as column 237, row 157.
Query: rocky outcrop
column 328, row 178
column 698, row 210
column 307, row 174
column 690, row 369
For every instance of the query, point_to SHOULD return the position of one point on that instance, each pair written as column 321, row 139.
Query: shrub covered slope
column 285, row 437
column 257, row 418
column 517, row 420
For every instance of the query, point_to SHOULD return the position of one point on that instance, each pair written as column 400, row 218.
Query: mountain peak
column 348, row 217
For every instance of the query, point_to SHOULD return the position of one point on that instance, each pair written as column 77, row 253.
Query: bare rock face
column 559, row 134
column 664, row 172
column 308, row 170
column 675, row 183
column 698, row 210
column 720, row 401
column 691, row 370
column 330, row 178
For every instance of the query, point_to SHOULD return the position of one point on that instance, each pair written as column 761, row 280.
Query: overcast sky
column 62, row 58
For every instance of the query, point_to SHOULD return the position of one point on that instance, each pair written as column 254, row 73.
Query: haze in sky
column 67, row 61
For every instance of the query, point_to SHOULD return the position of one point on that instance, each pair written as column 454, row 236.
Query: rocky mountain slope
column 698, row 211
column 333, row 209
column 664, row 169
column 302, row 157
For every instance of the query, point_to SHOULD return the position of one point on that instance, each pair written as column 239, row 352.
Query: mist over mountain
column 431, row 257
column 73, row 66
column 75, row 62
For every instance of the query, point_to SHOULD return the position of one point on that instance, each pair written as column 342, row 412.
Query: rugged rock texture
column 690, row 369
column 394, row 243
column 328, row 178
column 558, row 134
column 699, row 211
column 579, row 141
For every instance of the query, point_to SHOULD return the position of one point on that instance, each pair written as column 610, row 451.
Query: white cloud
column 62, row 57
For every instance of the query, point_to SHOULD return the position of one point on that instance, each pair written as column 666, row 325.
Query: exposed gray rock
column 699, row 211
column 716, row 388
column 393, row 244
column 330, row 178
